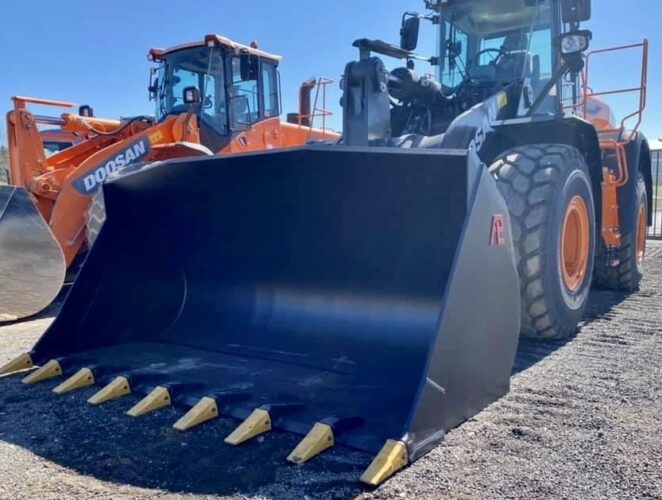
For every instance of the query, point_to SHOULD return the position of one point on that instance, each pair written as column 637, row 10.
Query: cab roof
column 485, row 17
column 217, row 40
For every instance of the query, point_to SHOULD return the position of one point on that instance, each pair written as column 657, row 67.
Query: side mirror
column 411, row 23
column 191, row 95
column 249, row 66
column 575, row 11
column 153, row 87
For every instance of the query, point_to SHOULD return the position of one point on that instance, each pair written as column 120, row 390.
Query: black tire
column 538, row 182
column 96, row 215
column 627, row 274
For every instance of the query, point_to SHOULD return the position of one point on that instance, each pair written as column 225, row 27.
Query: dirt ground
column 583, row 419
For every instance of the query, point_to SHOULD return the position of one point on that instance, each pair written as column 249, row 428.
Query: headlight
column 573, row 43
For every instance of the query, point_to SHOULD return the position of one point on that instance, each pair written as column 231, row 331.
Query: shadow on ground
column 105, row 443
column 51, row 310
column 529, row 352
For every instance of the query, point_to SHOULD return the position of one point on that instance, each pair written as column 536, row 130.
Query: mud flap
column 365, row 289
column 32, row 266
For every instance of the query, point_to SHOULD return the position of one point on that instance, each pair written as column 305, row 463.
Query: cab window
column 243, row 97
column 182, row 78
column 270, row 89
column 457, row 52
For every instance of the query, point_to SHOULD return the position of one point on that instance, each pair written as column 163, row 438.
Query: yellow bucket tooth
column 205, row 409
column 390, row 459
column 316, row 441
column 22, row 362
column 115, row 390
column 82, row 378
column 49, row 370
column 257, row 423
column 156, row 399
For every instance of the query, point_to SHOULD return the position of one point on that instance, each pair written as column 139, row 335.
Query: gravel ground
column 583, row 419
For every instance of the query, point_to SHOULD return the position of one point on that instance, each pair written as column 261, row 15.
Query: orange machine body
column 62, row 184
column 614, row 137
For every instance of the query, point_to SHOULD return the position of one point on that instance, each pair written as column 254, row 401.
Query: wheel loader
column 212, row 96
column 371, row 293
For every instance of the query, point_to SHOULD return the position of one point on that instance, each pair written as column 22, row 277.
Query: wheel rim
column 641, row 234
column 575, row 244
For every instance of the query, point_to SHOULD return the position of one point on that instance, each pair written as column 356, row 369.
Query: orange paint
column 575, row 244
column 62, row 184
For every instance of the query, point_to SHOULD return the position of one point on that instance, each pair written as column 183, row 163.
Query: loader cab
column 502, row 55
column 488, row 46
column 237, row 86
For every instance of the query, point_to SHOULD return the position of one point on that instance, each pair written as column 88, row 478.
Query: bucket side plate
column 32, row 266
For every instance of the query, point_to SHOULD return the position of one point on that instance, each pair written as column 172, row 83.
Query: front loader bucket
column 366, row 290
column 31, row 262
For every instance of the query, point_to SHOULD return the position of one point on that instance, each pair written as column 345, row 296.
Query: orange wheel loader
column 214, row 96
column 369, row 293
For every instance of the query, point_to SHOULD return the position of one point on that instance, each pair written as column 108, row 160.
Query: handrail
column 323, row 113
column 19, row 102
column 619, row 144
column 642, row 88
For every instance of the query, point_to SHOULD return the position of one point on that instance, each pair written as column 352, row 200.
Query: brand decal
column 485, row 127
column 497, row 237
column 89, row 182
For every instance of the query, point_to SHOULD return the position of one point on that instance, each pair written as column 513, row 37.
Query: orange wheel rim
column 641, row 233
column 575, row 244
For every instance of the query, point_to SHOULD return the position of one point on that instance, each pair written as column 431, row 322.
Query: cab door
column 254, row 108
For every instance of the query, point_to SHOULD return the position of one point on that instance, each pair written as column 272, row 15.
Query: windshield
column 200, row 67
column 487, row 41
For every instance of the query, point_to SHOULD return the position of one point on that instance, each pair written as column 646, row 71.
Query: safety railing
column 615, row 138
column 655, row 229
column 318, row 110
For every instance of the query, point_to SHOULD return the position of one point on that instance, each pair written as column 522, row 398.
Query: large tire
column 629, row 270
column 549, row 196
column 96, row 215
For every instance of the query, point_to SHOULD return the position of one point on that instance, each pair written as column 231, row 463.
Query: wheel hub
column 575, row 244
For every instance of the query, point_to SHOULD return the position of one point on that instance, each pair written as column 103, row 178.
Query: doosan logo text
column 91, row 181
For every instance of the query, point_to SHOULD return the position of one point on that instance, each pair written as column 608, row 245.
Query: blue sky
column 95, row 52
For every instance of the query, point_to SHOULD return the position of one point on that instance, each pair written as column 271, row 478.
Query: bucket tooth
column 390, row 459
column 49, row 370
column 22, row 362
column 116, row 389
column 82, row 378
column 205, row 409
column 316, row 441
column 257, row 423
column 156, row 399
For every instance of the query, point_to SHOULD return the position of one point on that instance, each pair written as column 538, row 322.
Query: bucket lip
column 305, row 149
column 340, row 148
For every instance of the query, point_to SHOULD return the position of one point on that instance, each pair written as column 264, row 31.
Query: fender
column 562, row 129
column 639, row 160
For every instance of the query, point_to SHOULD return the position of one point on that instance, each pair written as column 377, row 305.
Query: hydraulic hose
column 122, row 127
